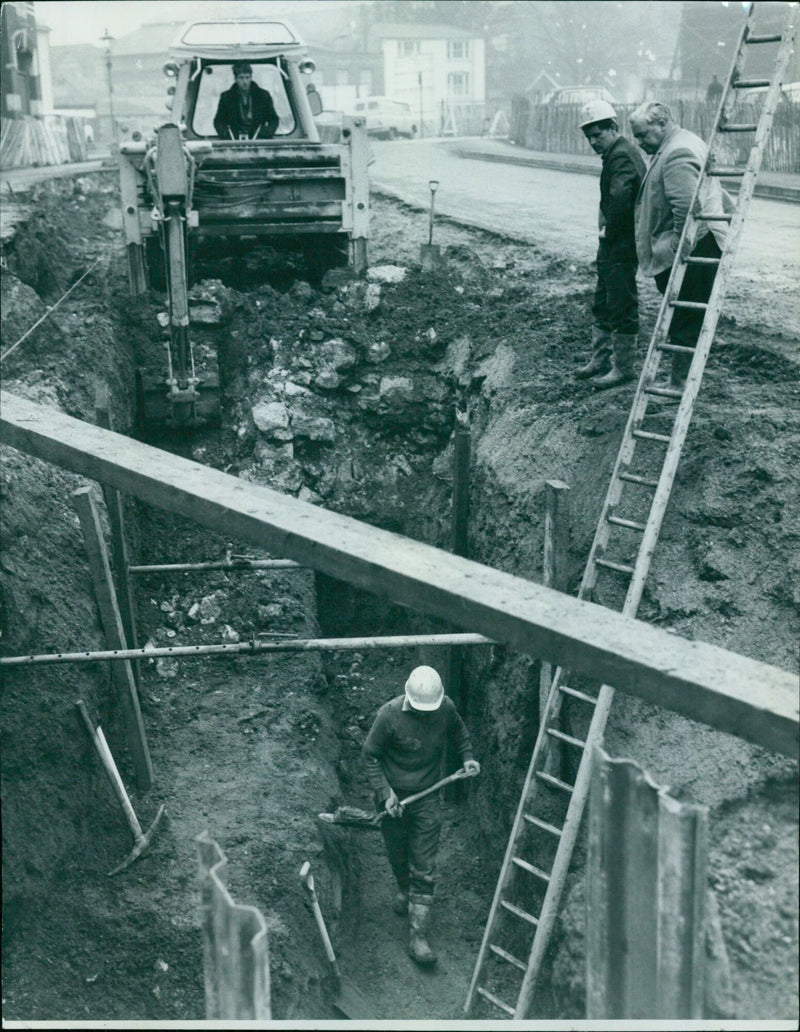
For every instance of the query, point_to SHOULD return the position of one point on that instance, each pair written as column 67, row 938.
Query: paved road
column 558, row 211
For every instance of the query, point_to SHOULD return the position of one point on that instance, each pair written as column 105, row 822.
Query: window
column 458, row 84
column 457, row 49
column 23, row 51
column 218, row 77
column 237, row 33
column 407, row 47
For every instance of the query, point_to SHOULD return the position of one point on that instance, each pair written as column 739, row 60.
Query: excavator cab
column 189, row 188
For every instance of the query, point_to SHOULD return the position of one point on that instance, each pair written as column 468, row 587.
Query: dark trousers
column 412, row 842
column 697, row 283
column 616, row 303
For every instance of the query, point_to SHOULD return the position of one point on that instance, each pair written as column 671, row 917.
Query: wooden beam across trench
column 727, row 691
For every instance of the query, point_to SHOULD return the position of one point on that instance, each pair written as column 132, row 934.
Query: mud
column 355, row 386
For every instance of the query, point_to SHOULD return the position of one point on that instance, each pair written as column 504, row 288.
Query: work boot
column 622, row 364
column 680, row 370
column 600, row 362
column 400, row 905
column 419, row 915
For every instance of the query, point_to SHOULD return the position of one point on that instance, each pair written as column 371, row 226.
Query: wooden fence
column 235, row 948
column 554, row 129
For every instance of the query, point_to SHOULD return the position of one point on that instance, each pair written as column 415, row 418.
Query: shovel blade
column 351, row 1003
column 431, row 257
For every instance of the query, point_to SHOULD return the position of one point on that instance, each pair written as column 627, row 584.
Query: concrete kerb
column 768, row 185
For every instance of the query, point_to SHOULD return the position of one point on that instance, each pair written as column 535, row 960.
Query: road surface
column 558, row 211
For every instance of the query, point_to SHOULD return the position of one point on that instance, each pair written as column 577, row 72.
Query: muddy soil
column 344, row 393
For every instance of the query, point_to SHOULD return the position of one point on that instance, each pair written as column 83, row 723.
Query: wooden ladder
column 548, row 818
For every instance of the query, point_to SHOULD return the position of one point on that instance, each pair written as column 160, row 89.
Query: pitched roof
column 420, row 30
column 152, row 38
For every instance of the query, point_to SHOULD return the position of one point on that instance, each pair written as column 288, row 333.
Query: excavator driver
column 245, row 110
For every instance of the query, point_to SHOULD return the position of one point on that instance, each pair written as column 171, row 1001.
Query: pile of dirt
column 344, row 394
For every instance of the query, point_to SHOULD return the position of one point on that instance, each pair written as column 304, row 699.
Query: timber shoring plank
column 121, row 673
column 703, row 682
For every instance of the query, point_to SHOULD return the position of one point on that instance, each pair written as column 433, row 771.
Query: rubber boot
column 400, row 905
column 419, row 915
column 622, row 365
column 600, row 362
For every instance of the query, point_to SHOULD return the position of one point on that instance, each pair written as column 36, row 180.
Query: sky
column 85, row 21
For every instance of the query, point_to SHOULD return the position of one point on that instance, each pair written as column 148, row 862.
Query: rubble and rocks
column 345, row 396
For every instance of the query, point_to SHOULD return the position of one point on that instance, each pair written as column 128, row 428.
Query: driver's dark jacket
column 265, row 117
column 622, row 174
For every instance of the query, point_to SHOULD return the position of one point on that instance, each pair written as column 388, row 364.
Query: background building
column 439, row 70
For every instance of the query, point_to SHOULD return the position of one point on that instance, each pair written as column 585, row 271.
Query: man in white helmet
column 616, row 303
column 404, row 754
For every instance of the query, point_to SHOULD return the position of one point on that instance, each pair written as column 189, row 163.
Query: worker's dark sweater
column 405, row 747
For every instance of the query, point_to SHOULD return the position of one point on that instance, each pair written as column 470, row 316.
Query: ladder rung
column 711, row 217
column 620, row 568
column 507, row 956
column 536, row 871
column 663, row 392
column 702, row 261
column 772, row 38
column 646, row 435
column 634, row 478
column 579, row 695
column 496, row 1001
column 543, row 824
column 569, row 739
column 677, row 348
column 725, row 173
column 522, row 914
column 555, row 782
column 738, row 127
column 749, row 84
column 697, row 305
column 618, row 521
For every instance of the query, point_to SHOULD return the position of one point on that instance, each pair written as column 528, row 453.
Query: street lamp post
column 107, row 40
column 419, row 82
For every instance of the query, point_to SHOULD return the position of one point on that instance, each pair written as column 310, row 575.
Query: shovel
column 355, row 818
column 429, row 254
column 140, row 840
column 348, row 1001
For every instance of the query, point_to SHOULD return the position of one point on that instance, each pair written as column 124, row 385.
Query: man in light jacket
column 662, row 206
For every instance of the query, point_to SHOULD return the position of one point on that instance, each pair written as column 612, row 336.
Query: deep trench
column 310, row 712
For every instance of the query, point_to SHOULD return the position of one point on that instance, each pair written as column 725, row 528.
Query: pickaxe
column 140, row 840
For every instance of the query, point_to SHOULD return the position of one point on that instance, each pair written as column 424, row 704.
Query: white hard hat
column 424, row 688
column 596, row 111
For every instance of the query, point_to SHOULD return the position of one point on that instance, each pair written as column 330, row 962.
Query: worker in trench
column 404, row 753
column 661, row 209
column 245, row 110
column 616, row 302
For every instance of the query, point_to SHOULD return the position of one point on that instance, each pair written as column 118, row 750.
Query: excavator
column 187, row 191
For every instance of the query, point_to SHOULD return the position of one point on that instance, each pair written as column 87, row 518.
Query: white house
column 438, row 69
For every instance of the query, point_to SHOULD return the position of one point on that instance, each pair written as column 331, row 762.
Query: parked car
column 578, row 95
column 386, row 118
